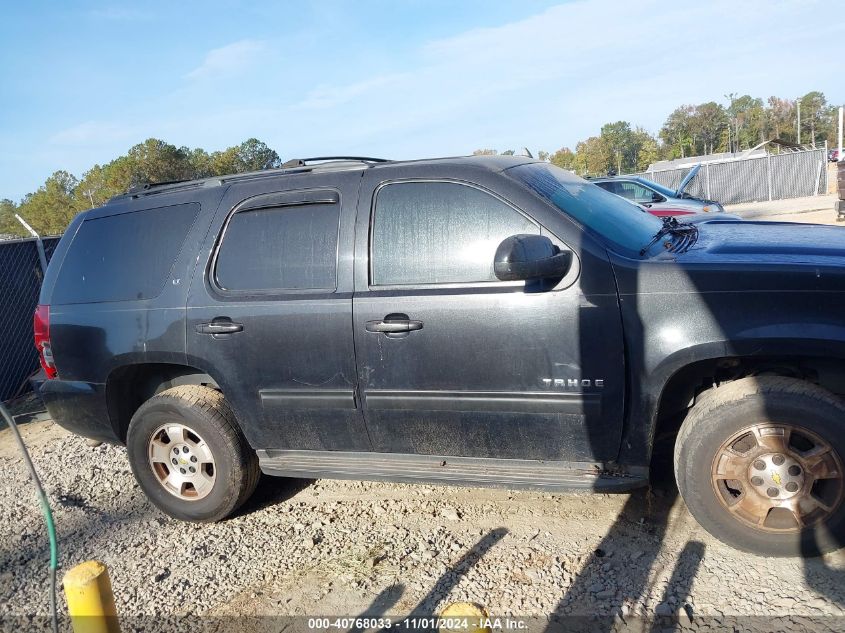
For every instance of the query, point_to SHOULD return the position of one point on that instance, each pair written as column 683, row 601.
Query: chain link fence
column 767, row 177
column 20, row 283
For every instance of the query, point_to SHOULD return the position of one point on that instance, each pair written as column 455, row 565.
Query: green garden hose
column 45, row 509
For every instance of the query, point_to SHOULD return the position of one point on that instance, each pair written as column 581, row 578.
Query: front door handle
column 394, row 325
column 219, row 326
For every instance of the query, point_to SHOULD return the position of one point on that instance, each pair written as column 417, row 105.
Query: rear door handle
column 219, row 327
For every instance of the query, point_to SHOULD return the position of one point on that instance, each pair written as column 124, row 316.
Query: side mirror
column 527, row 257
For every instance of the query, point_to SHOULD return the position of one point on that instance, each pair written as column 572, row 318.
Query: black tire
column 724, row 411
column 205, row 412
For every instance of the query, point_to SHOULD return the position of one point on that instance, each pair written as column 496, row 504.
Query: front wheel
column 759, row 465
column 189, row 456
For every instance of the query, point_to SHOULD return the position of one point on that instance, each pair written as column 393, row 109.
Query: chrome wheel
column 181, row 461
column 778, row 478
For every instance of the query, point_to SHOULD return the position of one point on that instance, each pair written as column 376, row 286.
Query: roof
column 493, row 163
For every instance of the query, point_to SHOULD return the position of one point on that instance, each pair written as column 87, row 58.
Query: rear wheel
column 189, row 456
column 759, row 464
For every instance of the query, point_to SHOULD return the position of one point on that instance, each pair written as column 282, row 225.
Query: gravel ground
column 347, row 548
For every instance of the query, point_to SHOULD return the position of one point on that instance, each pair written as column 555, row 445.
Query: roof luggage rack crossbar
column 145, row 186
column 302, row 162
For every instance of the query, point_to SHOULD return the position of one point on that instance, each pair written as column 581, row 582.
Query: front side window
column 279, row 248
column 439, row 232
column 634, row 192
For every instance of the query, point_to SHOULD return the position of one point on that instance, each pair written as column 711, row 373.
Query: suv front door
column 452, row 361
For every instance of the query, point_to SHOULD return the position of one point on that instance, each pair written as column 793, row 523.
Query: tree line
column 51, row 208
column 690, row 130
column 697, row 130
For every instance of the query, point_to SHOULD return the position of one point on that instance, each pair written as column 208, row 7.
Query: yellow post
column 90, row 601
column 466, row 617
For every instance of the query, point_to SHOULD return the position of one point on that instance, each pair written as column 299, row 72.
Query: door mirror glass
column 529, row 257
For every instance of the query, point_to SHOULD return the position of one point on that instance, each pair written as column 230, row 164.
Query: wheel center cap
column 181, row 460
column 776, row 476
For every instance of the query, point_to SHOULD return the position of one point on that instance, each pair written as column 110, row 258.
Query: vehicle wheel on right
column 759, row 464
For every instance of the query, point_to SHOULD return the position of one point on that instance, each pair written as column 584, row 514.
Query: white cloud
column 229, row 59
column 555, row 77
column 330, row 96
column 94, row 133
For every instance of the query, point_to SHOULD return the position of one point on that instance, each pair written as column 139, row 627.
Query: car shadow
column 272, row 491
column 594, row 601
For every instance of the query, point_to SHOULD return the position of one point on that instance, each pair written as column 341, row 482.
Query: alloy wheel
column 778, row 477
column 181, row 461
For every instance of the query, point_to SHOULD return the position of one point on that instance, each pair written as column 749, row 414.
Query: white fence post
column 707, row 179
column 769, row 173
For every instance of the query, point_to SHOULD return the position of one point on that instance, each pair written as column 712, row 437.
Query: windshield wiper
column 670, row 225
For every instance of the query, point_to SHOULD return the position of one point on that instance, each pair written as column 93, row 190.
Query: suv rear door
column 485, row 368
column 270, row 310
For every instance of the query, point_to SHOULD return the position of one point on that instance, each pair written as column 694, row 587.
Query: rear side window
column 439, row 232
column 123, row 257
column 280, row 248
column 609, row 186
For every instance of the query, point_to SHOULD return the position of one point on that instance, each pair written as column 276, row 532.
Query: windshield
column 623, row 224
column 669, row 193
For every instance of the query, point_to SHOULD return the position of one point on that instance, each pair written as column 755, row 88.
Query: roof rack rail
column 144, row 186
column 302, row 162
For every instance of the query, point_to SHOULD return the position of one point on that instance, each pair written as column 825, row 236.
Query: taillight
column 41, row 328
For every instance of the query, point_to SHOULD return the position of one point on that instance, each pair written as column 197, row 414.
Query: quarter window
column 439, row 232
column 125, row 256
column 280, row 248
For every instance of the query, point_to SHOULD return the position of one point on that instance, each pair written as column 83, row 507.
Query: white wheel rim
column 181, row 461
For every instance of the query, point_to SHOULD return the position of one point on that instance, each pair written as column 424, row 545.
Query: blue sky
column 80, row 82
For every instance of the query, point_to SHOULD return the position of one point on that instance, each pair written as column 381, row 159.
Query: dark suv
column 474, row 321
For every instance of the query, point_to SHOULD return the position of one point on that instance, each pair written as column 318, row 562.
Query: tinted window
column 616, row 220
column 123, row 257
column 437, row 232
column 608, row 186
column 280, row 248
column 634, row 192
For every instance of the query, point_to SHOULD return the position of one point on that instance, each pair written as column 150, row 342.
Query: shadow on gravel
column 25, row 409
column 425, row 607
column 77, row 538
column 382, row 603
column 823, row 579
column 594, row 601
column 271, row 491
column 677, row 592
column 453, row 575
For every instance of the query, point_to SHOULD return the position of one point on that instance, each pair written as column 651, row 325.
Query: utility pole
column 841, row 112
column 799, row 120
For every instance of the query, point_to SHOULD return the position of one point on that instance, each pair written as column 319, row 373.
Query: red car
column 664, row 212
